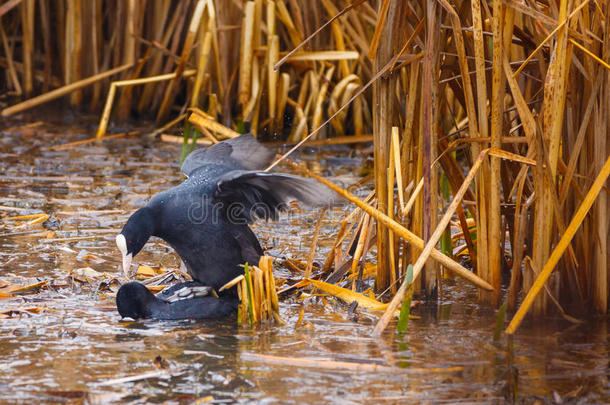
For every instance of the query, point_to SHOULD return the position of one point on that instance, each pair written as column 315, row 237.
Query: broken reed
column 450, row 79
column 257, row 293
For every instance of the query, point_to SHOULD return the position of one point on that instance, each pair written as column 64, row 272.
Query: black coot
column 134, row 300
column 205, row 219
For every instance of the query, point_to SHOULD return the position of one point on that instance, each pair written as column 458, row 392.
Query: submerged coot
column 205, row 219
column 134, row 300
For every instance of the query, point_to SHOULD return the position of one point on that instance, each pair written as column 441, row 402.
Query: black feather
column 243, row 152
column 205, row 219
column 255, row 194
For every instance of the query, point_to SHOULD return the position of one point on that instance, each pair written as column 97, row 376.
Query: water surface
column 66, row 344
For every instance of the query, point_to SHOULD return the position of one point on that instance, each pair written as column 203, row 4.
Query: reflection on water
column 76, row 350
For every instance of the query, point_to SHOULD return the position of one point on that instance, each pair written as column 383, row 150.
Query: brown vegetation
column 519, row 89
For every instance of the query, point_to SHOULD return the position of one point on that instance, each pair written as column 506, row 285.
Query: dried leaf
column 145, row 272
column 349, row 295
column 25, row 289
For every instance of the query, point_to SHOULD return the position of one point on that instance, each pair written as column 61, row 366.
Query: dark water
column 72, row 348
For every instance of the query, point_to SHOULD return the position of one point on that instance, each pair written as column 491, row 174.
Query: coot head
column 134, row 235
column 134, row 300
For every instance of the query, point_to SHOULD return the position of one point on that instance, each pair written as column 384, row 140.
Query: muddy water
column 66, row 344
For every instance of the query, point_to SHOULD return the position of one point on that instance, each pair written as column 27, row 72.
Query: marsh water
column 65, row 342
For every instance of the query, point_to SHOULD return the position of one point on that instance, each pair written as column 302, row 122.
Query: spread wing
column 243, row 153
column 247, row 195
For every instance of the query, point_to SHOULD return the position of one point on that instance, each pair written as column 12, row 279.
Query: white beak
column 121, row 243
column 127, row 264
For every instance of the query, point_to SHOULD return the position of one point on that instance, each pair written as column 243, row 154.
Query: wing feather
column 243, row 153
column 248, row 195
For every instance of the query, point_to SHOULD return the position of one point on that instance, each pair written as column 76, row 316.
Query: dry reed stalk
column 358, row 115
column 397, row 228
column 601, row 151
column 259, row 293
column 74, row 55
column 212, row 27
column 440, row 228
column 577, row 145
column 339, row 96
column 494, row 245
column 299, row 15
column 90, row 140
column 249, row 112
column 314, row 244
column 62, row 91
column 588, row 52
column 27, row 24
column 335, row 252
column 382, row 13
column 8, row 6
column 273, row 54
column 557, row 29
column 482, row 180
column 473, row 122
column 129, row 41
column 282, row 97
column 187, row 48
column 284, row 16
column 358, row 93
column 363, row 231
column 337, row 32
column 323, row 56
column 341, row 140
column 392, row 259
column 245, row 59
column 204, row 54
column 209, row 135
column 252, row 309
column 266, row 263
column 552, row 119
column 339, row 365
column 161, row 37
column 9, row 58
column 271, row 23
column 407, row 152
column 397, row 167
column 95, row 13
column 521, row 222
column 562, row 245
column 321, row 96
column 429, row 247
column 429, row 148
column 101, row 129
column 272, row 74
column 354, row 4
column 383, row 119
column 411, row 202
column 125, row 100
column 202, row 120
